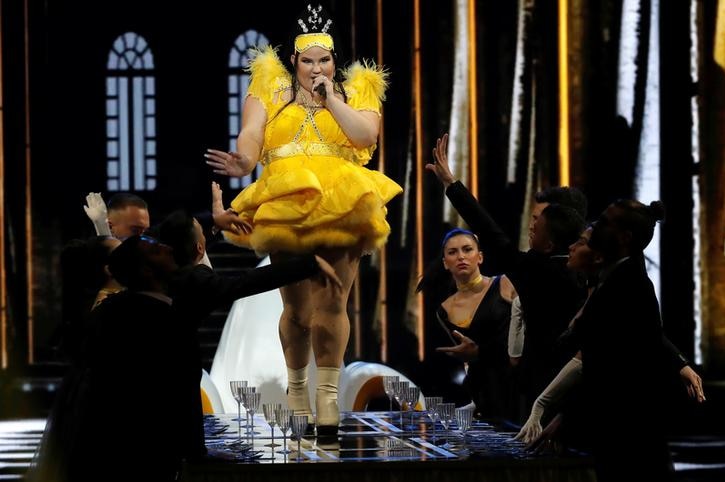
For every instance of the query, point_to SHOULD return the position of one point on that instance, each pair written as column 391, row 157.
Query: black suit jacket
column 131, row 373
column 620, row 336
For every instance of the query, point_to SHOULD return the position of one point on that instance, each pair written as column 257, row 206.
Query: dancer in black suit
column 122, row 402
column 620, row 328
column 140, row 370
column 197, row 290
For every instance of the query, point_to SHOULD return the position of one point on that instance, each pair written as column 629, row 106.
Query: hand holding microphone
column 320, row 88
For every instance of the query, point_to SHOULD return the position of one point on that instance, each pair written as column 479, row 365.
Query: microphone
column 321, row 91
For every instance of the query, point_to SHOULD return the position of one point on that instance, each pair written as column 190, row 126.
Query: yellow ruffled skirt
column 303, row 203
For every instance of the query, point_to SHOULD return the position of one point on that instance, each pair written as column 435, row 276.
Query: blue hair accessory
column 457, row 232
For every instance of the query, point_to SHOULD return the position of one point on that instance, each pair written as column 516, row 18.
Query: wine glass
column 283, row 416
column 270, row 414
column 412, row 399
column 389, row 387
column 245, row 392
column 299, row 425
column 445, row 412
column 431, row 405
column 252, row 404
column 464, row 417
column 401, row 393
column 236, row 387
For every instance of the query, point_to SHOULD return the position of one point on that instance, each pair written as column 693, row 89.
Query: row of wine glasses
column 249, row 398
column 285, row 419
column 446, row 414
column 403, row 393
column 273, row 412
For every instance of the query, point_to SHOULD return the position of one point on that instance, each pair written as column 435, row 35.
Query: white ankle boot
column 298, row 396
column 328, row 412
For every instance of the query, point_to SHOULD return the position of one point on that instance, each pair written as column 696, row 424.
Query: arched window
column 130, row 115
column 238, row 82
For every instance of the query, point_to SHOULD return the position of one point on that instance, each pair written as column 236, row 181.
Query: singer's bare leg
column 294, row 334
column 330, row 332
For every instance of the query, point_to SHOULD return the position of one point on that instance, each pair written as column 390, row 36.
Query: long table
column 373, row 447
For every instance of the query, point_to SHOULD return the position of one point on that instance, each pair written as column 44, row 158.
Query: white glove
column 569, row 376
column 517, row 327
column 98, row 213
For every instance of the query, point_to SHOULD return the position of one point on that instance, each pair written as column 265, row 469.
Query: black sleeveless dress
column 488, row 381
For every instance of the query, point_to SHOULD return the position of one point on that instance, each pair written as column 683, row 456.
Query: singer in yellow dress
column 313, row 191
column 314, row 128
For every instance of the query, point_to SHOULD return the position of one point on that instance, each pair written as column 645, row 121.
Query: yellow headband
column 306, row 40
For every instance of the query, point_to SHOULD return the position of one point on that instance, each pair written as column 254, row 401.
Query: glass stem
column 252, row 416
column 239, row 420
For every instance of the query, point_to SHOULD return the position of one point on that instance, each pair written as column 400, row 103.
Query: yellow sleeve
column 365, row 85
column 268, row 76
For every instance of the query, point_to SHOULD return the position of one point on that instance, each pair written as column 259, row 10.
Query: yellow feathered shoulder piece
column 268, row 75
column 365, row 85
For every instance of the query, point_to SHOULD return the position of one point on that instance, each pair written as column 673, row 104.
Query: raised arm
column 494, row 241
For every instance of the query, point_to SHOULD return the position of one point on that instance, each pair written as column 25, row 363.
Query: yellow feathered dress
column 314, row 190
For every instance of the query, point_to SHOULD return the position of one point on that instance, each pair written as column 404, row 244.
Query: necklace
column 470, row 285
column 309, row 104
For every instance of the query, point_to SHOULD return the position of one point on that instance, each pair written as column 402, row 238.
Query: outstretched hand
column 226, row 219
column 232, row 164
column 466, row 350
column 328, row 272
column 440, row 167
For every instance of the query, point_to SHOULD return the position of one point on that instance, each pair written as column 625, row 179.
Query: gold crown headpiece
column 314, row 31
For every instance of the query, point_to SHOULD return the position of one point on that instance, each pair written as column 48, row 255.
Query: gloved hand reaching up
column 97, row 212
